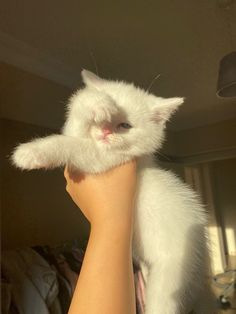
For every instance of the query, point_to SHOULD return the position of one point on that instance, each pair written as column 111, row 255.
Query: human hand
column 106, row 197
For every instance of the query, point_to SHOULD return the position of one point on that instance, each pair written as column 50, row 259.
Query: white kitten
column 109, row 123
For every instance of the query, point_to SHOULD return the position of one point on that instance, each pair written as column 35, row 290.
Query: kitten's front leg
column 97, row 107
column 104, row 110
column 49, row 152
column 93, row 108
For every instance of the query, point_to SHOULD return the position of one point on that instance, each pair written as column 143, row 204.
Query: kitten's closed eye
column 124, row 125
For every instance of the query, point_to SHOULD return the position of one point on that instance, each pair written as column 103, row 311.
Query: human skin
column 106, row 283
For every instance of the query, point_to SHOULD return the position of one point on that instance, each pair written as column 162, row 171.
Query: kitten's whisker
column 152, row 82
column 163, row 155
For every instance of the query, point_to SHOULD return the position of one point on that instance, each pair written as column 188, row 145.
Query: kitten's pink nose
column 106, row 131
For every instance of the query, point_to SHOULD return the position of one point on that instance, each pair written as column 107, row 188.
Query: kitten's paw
column 28, row 156
column 104, row 111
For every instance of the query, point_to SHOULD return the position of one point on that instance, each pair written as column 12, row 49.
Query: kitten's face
column 134, row 129
column 138, row 127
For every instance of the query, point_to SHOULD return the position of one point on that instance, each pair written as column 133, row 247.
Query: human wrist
column 110, row 226
column 111, row 215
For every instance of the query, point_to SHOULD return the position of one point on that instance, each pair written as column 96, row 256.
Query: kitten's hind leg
column 163, row 289
column 48, row 152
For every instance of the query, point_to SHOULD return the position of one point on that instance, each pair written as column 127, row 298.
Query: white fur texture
column 169, row 240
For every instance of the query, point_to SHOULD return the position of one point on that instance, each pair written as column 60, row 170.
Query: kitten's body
column 170, row 243
column 169, row 231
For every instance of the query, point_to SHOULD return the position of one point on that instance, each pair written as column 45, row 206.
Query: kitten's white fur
column 169, row 240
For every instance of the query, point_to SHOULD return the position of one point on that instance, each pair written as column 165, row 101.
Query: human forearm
column 106, row 282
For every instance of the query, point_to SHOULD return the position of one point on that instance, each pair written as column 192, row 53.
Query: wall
column 206, row 143
column 30, row 98
column 35, row 206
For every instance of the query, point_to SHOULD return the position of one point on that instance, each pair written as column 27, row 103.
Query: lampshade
column 226, row 86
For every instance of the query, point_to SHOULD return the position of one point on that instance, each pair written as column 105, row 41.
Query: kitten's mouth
column 104, row 139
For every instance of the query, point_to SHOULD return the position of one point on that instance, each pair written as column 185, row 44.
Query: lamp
column 226, row 85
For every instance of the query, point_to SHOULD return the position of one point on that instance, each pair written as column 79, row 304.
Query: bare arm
column 106, row 282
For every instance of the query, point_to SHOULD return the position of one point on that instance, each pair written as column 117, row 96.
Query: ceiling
column 134, row 41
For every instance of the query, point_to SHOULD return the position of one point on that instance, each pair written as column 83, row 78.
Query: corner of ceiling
column 18, row 53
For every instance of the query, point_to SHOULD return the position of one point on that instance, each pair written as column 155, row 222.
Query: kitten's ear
column 91, row 79
column 165, row 107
